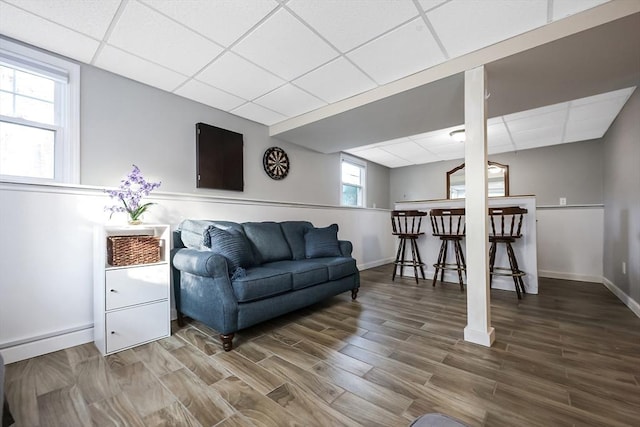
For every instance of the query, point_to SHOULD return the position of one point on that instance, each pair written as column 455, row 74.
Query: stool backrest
column 506, row 222
column 448, row 222
column 406, row 222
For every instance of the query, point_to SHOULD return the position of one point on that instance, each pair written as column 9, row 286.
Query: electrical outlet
column 624, row 267
column 563, row 201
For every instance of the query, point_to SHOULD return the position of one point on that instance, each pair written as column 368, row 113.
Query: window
column 353, row 181
column 39, row 116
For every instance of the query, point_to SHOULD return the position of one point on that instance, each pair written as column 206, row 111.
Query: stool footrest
column 448, row 266
column 503, row 271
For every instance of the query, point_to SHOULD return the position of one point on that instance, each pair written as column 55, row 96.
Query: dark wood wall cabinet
column 219, row 158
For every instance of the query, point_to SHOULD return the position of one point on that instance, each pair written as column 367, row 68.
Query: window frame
column 362, row 164
column 67, row 96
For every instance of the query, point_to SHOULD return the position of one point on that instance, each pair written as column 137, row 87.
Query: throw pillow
column 232, row 245
column 322, row 242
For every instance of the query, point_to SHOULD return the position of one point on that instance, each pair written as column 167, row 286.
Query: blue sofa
column 231, row 276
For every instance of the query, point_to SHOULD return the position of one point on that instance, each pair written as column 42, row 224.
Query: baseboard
column 46, row 345
column 569, row 276
column 376, row 263
column 633, row 305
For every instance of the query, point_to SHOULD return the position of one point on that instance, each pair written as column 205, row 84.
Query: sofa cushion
column 267, row 241
column 261, row 282
column 322, row 242
column 339, row 267
column 193, row 232
column 233, row 245
column 294, row 233
column 304, row 273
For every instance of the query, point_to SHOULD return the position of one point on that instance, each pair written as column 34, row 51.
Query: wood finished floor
column 568, row 356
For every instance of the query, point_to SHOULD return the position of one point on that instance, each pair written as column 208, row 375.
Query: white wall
column 570, row 243
column 46, row 253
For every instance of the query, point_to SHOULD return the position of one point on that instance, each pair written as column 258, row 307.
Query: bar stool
column 449, row 225
column 406, row 225
column 506, row 224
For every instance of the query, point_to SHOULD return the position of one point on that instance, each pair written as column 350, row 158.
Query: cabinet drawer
column 133, row 326
column 136, row 285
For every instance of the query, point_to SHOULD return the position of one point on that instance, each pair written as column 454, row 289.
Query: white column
column 478, row 329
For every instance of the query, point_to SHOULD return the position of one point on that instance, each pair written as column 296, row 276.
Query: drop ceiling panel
column 589, row 129
column 404, row 51
column 208, row 95
column 152, row 36
column 125, row 64
column 540, row 136
column 496, row 149
column 564, row 8
column 223, row 21
column 258, row 114
column 32, row 29
column 604, row 109
column 535, row 121
column 464, row 26
column 88, row 17
column 239, row 77
column 405, row 150
column 289, row 101
column 337, row 80
column 347, row 24
column 430, row 4
column 285, row 46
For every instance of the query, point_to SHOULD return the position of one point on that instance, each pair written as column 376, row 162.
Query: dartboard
column 276, row 163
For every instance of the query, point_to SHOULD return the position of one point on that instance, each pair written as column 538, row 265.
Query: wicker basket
column 131, row 250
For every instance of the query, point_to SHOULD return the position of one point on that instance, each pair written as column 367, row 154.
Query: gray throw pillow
column 232, row 245
column 322, row 242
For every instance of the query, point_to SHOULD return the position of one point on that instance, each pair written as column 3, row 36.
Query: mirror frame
column 490, row 163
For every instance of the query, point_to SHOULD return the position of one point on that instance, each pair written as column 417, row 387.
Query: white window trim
column 67, row 154
column 358, row 162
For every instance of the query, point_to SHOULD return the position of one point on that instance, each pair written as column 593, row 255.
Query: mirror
column 498, row 180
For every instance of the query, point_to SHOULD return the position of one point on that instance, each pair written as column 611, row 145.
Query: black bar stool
column 449, row 225
column 506, row 226
column 406, row 225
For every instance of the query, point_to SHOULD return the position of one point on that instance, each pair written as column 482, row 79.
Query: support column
column 478, row 329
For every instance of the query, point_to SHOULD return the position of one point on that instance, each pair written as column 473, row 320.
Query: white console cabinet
column 131, row 302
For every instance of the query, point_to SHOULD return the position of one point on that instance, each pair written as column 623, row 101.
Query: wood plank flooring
column 569, row 356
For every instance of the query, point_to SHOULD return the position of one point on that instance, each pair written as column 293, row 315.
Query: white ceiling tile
column 425, row 157
column 537, row 111
column 335, row 81
column 91, row 17
column 495, row 149
column 285, row 46
column 125, row 64
column 209, row 96
column 404, row 51
column 394, row 162
column 564, row 8
column 623, row 94
column 581, row 130
column 535, row 121
column 348, row 24
column 430, row 4
column 404, row 150
column 37, row 31
column 239, row 76
column 258, row 114
column 290, row 101
column 604, row 109
column 541, row 136
column 223, row 21
column 464, row 26
column 152, row 36
column 434, row 139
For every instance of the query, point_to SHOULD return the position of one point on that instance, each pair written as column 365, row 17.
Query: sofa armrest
column 200, row 263
column 203, row 290
column 345, row 248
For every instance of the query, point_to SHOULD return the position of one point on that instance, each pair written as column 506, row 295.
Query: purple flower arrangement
column 130, row 192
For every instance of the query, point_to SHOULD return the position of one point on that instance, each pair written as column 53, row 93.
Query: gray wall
column 622, row 199
column 125, row 122
column 573, row 171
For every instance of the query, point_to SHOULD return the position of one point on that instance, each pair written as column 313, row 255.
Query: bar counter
column 525, row 248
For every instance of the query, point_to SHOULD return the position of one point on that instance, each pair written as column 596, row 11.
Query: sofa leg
column 227, row 341
column 354, row 293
